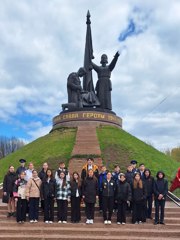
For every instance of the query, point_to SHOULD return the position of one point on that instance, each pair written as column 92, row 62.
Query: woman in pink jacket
column 33, row 195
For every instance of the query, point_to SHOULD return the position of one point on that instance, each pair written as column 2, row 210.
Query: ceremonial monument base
column 89, row 117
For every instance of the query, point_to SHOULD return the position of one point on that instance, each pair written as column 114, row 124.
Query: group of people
column 117, row 192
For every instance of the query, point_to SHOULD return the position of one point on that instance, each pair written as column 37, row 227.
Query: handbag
column 5, row 198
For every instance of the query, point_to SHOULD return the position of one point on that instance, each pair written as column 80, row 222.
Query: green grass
column 51, row 148
column 119, row 147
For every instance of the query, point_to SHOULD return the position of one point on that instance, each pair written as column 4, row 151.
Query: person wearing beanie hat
column 160, row 191
column 122, row 195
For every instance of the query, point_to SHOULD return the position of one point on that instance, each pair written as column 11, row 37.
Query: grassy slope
column 52, row 148
column 119, row 147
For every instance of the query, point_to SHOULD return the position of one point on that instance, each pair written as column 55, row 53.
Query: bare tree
column 9, row 145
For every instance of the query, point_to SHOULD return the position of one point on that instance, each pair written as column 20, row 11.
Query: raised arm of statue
column 95, row 67
column 114, row 61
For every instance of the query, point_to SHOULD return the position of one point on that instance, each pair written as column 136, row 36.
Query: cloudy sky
column 42, row 41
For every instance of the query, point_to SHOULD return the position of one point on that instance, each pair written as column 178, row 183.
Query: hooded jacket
column 160, row 186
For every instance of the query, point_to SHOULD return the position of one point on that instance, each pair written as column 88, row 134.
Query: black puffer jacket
column 8, row 183
column 90, row 189
column 48, row 188
column 123, row 191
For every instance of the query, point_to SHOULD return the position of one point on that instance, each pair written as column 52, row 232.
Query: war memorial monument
column 88, row 104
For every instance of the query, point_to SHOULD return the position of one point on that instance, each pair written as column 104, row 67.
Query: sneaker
column 118, row 223
column 87, row 221
column 64, row 221
column 123, row 223
column 91, row 221
column 140, row 222
column 109, row 222
column 136, row 222
column 35, row 221
column 31, row 221
column 59, row 222
column 19, row 222
column 50, row 222
column 46, row 221
column 105, row 222
column 162, row 223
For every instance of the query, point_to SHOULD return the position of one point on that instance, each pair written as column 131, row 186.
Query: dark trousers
column 48, row 209
column 100, row 201
column 75, row 209
column 89, row 209
column 21, row 210
column 33, row 208
column 62, row 206
column 108, row 204
column 137, row 214
column 121, row 214
column 149, row 206
column 159, row 205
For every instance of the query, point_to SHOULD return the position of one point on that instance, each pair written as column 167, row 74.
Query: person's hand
column 16, row 199
column 5, row 193
column 27, row 198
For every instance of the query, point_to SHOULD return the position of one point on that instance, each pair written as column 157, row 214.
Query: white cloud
column 41, row 42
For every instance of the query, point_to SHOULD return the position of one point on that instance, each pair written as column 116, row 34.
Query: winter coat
column 48, row 189
column 102, row 177
column 20, row 170
column 84, row 172
column 90, row 189
column 160, row 187
column 75, row 188
column 62, row 193
column 129, row 177
column 108, row 188
column 149, row 184
column 123, row 191
column 115, row 176
column 31, row 189
column 8, row 183
column 139, row 194
column 20, row 188
column 42, row 174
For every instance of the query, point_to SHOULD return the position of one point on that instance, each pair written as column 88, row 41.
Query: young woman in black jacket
column 76, row 194
column 149, row 183
column 48, row 195
column 122, row 195
column 8, row 185
column 138, row 198
column 90, row 194
column 108, row 190
column 160, row 192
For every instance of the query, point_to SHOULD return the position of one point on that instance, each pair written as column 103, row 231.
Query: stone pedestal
column 86, row 117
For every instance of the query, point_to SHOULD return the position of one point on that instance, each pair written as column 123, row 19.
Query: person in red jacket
column 176, row 182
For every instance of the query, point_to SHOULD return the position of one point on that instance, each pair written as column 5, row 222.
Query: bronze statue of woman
column 103, row 85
